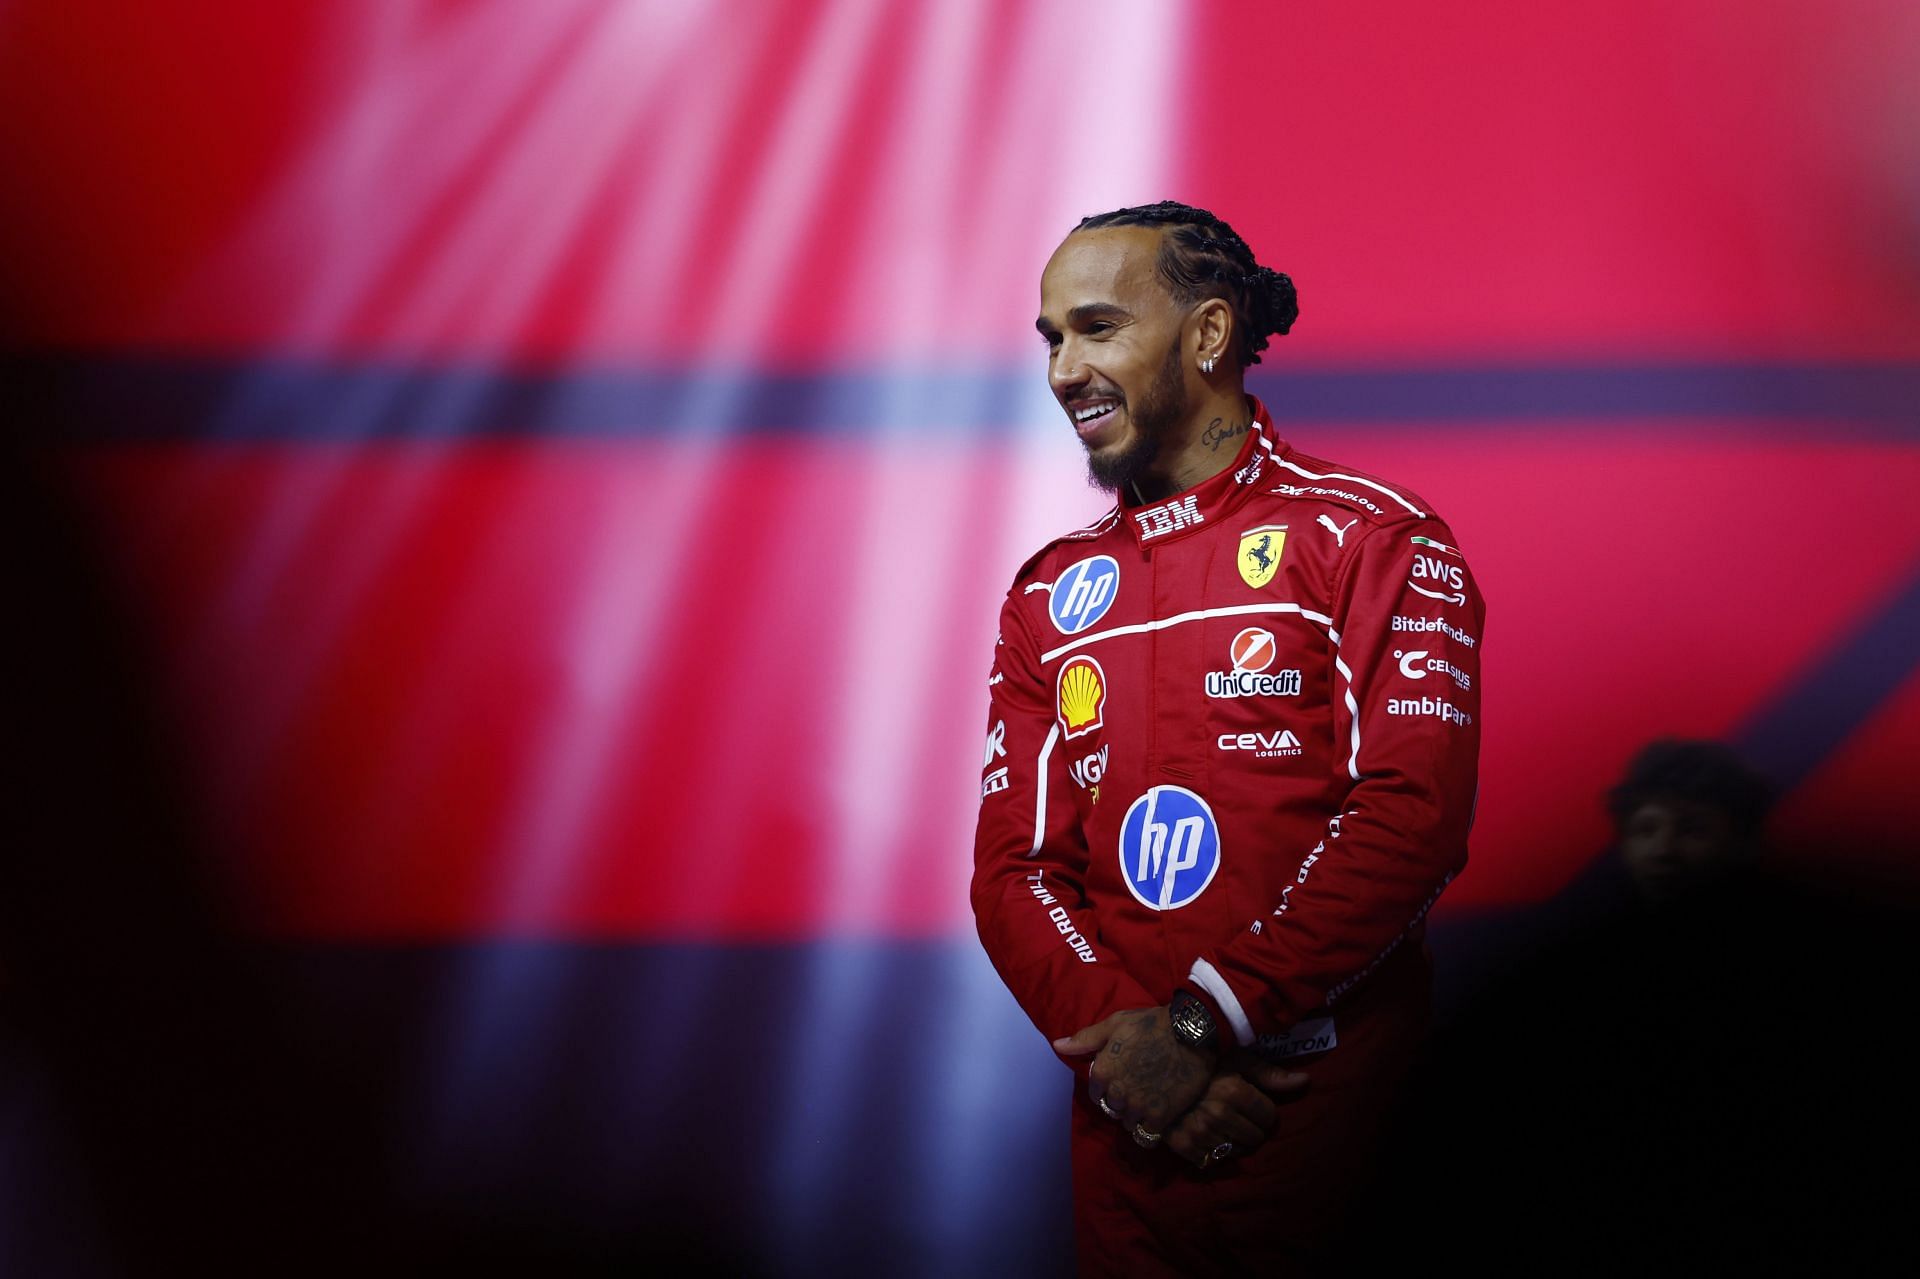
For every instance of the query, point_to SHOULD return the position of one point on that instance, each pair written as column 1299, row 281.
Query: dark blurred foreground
column 1714, row 1082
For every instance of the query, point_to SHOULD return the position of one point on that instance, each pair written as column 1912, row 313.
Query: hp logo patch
column 1169, row 847
column 1083, row 594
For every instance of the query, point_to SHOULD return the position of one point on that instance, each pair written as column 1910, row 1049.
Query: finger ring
column 1220, row 1152
column 1142, row 1137
column 1107, row 1110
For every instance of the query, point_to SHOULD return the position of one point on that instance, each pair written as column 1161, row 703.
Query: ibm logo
column 1169, row 517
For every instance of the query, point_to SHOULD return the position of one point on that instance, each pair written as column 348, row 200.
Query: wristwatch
column 1193, row 1024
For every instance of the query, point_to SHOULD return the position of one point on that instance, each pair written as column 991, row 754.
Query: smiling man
column 1231, row 762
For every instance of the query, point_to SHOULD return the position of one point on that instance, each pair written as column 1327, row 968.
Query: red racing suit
column 1232, row 748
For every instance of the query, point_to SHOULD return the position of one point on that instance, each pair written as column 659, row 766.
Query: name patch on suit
column 1315, row 1036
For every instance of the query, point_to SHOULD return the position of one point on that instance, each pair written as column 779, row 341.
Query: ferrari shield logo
column 1260, row 553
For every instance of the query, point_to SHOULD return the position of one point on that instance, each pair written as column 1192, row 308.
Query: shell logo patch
column 1082, row 690
column 1259, row 557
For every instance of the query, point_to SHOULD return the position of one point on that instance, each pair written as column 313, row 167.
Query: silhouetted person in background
column 1692, row 1062
column 1687, row 819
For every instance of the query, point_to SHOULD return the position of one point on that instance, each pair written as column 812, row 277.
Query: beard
column 1159, row 411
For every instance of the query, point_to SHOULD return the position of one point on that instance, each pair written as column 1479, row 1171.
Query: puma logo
column 1339, row 532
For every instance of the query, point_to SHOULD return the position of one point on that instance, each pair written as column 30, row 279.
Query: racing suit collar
column 1214, row 499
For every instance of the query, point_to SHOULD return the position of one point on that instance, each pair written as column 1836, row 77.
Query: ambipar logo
column 1438, row 708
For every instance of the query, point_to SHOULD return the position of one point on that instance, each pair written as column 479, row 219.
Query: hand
column 1140, row 1074
column 1239, row 1109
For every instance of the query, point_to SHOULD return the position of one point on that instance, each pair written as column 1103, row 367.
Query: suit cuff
column 1211, row 986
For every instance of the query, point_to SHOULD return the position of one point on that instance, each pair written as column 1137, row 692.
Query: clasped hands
column 1151, row 1083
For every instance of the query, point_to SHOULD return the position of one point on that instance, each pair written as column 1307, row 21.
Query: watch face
column 1191, row 1020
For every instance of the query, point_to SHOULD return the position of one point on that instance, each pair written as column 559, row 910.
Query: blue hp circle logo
column 1169, row 847
column 1083, row 594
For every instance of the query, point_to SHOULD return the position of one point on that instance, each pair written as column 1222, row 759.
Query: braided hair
column 1709, row 773
column 1202, row 257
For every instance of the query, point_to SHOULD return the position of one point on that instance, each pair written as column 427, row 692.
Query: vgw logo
column 1083, row 594
column 1169, row 847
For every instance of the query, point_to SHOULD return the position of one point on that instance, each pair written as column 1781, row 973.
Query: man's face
column 1673, row 847
column 1113, row 348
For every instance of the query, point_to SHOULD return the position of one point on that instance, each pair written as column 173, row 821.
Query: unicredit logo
column 1252, row 684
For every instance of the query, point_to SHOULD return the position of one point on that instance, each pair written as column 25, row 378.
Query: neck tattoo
column 1218, row 432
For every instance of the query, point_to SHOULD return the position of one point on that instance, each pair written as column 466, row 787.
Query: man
column 1687, row 818
column 1230, row 763
column 1693, row 1039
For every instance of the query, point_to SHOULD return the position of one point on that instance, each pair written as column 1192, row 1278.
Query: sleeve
column 1030, row 856
column 1407, row 627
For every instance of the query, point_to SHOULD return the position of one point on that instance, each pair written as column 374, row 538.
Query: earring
column 1206, row 365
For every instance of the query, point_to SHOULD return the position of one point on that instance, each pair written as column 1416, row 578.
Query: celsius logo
column 1416, row 664
column 1169, row 847
column 1083, row 594
column 1082, row 694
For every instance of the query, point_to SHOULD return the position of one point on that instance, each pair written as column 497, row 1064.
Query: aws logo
column 1081, row 693
column 1431, row 565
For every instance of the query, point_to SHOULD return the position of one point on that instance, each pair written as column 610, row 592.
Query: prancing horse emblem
column 1260, row 551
